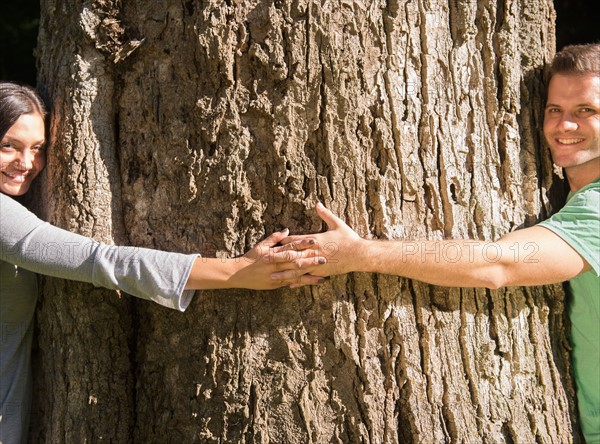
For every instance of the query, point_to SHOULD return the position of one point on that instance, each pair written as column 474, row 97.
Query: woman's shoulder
column 15, row 218
column 9, row 205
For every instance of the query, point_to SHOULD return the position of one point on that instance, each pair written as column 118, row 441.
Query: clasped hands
column 296, row 261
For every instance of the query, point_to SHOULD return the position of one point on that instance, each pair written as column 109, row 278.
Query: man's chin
column 577, row 163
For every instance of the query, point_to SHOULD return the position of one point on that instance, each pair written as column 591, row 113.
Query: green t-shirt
column 578, row 224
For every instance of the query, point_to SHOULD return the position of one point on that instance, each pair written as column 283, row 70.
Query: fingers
column 291, row 274
column 296, row 245
column 309, row 263
column 328, row 217
column 274, row 238
column 301, row 281
column 295, row 259
column 296, row 238
column 294, row 279
column 307, row 279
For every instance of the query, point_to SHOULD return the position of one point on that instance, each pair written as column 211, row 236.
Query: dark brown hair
column 577, row 59
column 16, row 100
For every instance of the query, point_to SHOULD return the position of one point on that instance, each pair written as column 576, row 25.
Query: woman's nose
column 25, row 160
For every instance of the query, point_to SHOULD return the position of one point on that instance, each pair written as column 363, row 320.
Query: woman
column 29, row 246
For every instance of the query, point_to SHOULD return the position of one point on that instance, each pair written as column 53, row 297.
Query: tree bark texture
column 202, row 126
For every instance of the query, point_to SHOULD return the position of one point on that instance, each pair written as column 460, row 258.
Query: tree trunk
column 204, row 126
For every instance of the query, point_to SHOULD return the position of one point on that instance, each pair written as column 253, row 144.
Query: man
column 568, row 243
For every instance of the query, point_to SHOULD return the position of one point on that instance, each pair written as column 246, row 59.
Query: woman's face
column 22, row 154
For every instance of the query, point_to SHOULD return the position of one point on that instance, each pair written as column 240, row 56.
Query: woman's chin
column 14, row 191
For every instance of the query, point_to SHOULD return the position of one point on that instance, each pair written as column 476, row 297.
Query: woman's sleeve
column 30, row 243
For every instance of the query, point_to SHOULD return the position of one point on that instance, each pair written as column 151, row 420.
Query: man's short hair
column 577, row 59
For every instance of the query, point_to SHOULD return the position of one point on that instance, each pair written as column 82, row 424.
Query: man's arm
column 531, row 256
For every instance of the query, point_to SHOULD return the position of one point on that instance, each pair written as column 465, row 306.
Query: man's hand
column 339, row 245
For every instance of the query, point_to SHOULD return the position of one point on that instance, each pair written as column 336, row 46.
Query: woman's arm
column 32, row 244
column 253, row 270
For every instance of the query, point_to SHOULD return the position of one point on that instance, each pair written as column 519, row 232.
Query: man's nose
column 567, row 123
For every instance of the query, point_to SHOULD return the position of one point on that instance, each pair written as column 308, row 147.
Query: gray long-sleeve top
column 29, row 246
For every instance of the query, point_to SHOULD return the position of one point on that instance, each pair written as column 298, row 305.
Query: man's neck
column 582, row 175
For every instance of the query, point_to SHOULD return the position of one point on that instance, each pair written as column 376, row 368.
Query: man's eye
column 587, row 110
column 6, row 146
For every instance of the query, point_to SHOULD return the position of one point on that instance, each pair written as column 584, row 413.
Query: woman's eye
column 6, row 146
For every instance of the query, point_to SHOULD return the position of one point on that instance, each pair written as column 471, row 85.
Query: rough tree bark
column 201, row 126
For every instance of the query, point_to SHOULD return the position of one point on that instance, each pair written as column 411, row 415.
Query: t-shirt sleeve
column 35, row 245
column 578, row 224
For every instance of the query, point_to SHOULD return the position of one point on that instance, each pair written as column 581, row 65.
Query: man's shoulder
column 593, row 186
column 578, row 223
column 587, row 196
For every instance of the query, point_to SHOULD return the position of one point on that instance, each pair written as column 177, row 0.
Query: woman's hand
column 257, row 266
column 254, row 269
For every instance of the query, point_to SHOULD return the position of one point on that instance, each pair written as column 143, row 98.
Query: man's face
column 572, row 120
